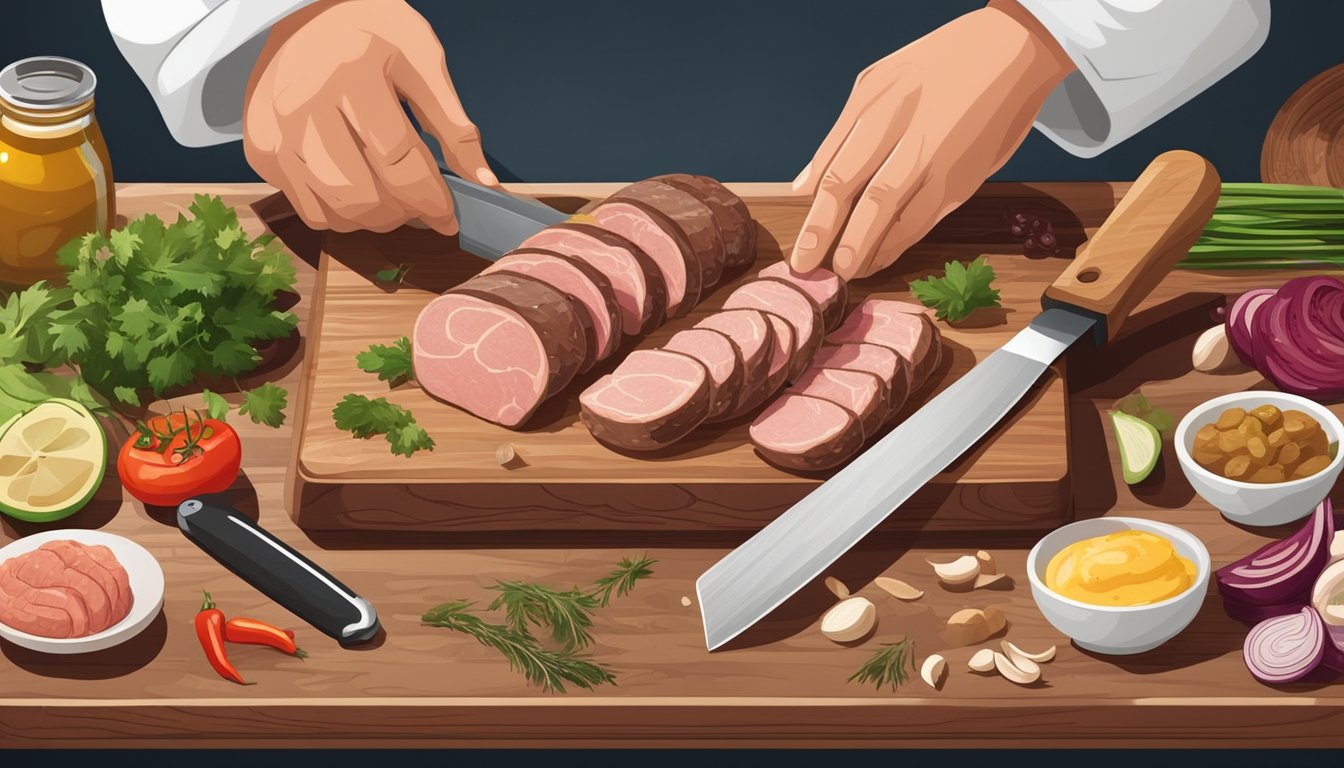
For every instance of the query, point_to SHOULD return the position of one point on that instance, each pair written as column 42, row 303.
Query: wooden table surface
column 780, row 685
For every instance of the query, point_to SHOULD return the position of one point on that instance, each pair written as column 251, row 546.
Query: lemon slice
column 52, row 459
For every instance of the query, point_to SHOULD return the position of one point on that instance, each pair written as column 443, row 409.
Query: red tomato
column 178, row 456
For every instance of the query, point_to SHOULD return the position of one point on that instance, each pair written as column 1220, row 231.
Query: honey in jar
column 55, row 175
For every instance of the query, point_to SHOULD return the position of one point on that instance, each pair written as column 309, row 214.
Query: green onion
column 1272, row 226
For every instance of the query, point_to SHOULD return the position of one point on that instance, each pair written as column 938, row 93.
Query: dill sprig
column 622, row 579
column 568, row 614
column 547, row 668
column 888, row 666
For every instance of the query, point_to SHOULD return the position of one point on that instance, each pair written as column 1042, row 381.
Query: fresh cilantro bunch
column 961, row 290
column 157, row 305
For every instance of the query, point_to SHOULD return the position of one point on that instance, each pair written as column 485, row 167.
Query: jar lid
column 47, row 83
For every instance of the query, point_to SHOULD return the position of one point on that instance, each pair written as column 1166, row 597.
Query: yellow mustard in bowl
column 1125, row 568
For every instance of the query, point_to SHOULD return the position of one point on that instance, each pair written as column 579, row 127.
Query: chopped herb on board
column 961, row 290
column 565, row 614
column 889, row 666
column 395, row 274
column 391, row 363
column 365, row 418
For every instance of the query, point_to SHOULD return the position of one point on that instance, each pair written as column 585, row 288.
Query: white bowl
column 143, row 571
column 1258, row 503
column 1112, row 630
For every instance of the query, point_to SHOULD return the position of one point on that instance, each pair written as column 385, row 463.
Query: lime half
column 52, row 459
column 1140, row 444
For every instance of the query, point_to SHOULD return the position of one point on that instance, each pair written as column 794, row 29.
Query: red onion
column 1327, row 594
column 1285, row 649
column 1251, row 615
column 1294, row 336
column 1281, row 572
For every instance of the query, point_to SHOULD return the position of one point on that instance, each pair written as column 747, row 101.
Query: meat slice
column 858, row 392
column 823, row 286
column 806, row 433
column 721, row 358
column 664, row 242
column 736, row 226
column 891, row 324
column 791, row 303
column 78, row 557
column 636, row 279
column 495, row 358
column 692, row 215
column 653, row 399
column 582, row 283
column 753, row 334
column 889, row 367
column 552, row 313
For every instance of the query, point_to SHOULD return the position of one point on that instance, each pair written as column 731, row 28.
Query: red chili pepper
column 210, row 631
column 254, row 632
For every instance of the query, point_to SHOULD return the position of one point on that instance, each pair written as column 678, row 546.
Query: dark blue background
column 603, row 90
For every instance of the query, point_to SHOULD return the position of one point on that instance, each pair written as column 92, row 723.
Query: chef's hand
column 323, row 120
column 922, row 129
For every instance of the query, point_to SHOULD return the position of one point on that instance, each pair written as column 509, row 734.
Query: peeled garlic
column 972, row 625
column 1337, row 545
column 963, row 570
column 989, row 579
column 933, row 671
column 982, row 661
column 987, row 565
column 898, row 589
column 1015, row 673
column 837, row 587
column 1015, row 653
column 996, row 620
column 849, row 620
column 1213, row 353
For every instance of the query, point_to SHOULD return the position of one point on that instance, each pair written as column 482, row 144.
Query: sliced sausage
column 791, row 303
column 886, row 364
column 582, row 283
column 822, row 285
column 736, row 226
column 891, row 324
column 636, row 279
column 664, row 242
column 496, row 357
column 806, row 433
column 858, row 392
column 693, row 216
column 754, row 335
column 721, row 357
column 653, row 399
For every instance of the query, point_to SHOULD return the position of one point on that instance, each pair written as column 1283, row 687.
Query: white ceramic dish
column 1258, row 503
column 146, row 579
column 1118, row 631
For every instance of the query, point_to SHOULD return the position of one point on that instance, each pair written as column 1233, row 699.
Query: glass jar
column 55, row 175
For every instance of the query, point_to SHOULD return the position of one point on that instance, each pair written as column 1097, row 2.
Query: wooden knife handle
column 1148, row 232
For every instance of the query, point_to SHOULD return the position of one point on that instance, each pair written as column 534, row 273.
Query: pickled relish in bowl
column 1122, row 569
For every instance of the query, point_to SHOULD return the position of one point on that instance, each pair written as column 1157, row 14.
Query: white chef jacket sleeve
column 1138, row 60
column 195, row 56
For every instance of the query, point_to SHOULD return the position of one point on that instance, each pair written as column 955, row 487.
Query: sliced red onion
column 1285, row 649
column 1239, row 317
column 1254, row 614
column 1294, row 336
column 1281, row 572
column 1326, row 595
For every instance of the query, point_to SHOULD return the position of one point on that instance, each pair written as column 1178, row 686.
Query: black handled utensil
column 276, row 570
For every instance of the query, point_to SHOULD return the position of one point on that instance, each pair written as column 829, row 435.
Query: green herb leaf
column 216, row 407
column 890, row 666
column 1137, row 405
column 395, row 274
column 622, row 579
column 961, row 290
column 568, row 614
column 391, row 363
column 265, row 404
column 365, row 418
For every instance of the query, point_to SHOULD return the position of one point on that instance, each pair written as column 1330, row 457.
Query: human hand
column 323, row 120
column 922, row 129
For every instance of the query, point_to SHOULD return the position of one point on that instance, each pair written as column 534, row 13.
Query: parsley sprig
column 961, row 290
column 365, row 418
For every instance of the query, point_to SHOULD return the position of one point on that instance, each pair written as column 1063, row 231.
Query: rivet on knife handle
column 1150, row 230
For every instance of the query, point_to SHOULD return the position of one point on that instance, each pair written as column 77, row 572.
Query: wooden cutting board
column 1016, row 479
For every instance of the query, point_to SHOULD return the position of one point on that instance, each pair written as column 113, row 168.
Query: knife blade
column 492, row 222
column 1147, row 233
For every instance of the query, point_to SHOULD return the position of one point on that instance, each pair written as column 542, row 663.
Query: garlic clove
column 1213, row 353
column 985, row 580
column 849, row 620
column 963, row 570
column 987, row 565
column 898, row 589
column 1014, row 653
column 996, row 620
column 837, row 587
column 982, row 660
column 967, row 627
column 934, row 671
column 1019, row 659
column 1015, row 673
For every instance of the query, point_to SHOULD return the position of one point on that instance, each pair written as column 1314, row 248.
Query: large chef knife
column 1149, row 231
column 492, row 222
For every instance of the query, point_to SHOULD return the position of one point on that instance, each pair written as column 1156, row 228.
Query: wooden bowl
column 1305, row 143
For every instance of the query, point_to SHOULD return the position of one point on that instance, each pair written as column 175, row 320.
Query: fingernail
column 487, row 177
column 807, row 241
column 844, row 260
column 801, row 179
